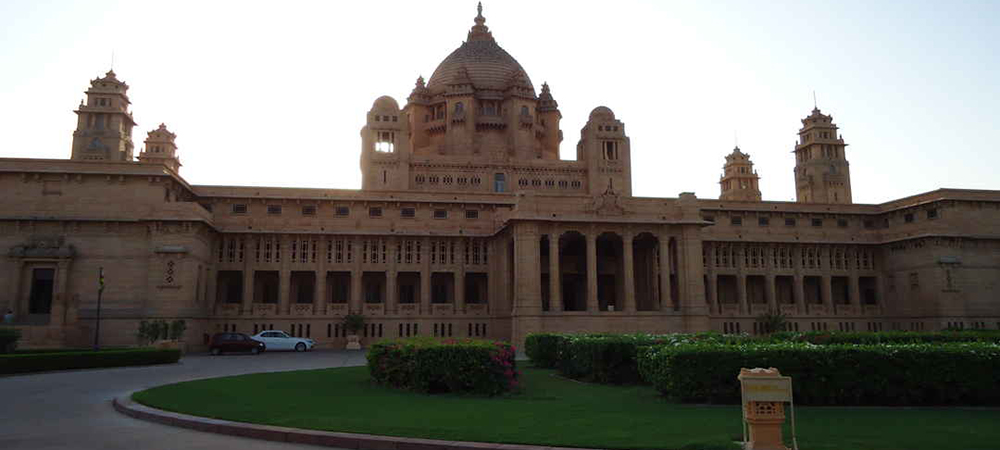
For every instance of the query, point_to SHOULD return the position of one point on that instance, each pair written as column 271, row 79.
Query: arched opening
column 610, row 273
column 573, row 271
column 646, row 268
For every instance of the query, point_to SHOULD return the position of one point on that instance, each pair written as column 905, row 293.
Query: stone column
column 19, row 302
column 527, row 270
column 770, row 291
column 357, row 297
column 628, row 264
column 425, row 277
column 741, row 291
column 592, row 304
column 247, row 306
column 799, row 289
column 713, row 293
column 555, row 277
column 391, row 291
column 826, row 291
column 460, row 290
column 855, row 291
column 60, row 299
column 320, row 297
column 284, row 290
column 391, row 277
column 666, row 301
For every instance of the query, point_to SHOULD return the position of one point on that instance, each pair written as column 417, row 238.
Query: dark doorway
column 40, row 301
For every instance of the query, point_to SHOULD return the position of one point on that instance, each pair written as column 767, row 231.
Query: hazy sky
column 275, row 93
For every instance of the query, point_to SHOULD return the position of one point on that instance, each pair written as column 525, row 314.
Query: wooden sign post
column 764, row 393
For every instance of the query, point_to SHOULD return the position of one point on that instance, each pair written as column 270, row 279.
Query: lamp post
column 100, row 292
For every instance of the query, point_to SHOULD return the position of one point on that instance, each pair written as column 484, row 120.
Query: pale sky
column 275, row 93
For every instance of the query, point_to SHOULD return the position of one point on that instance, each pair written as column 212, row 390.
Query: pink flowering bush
column 434, row 365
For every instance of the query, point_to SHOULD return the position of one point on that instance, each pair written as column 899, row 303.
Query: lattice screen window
column 168, row 276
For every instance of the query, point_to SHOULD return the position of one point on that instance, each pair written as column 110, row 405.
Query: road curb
column 128, row 407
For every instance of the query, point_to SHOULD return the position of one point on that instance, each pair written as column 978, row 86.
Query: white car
column 279, row 340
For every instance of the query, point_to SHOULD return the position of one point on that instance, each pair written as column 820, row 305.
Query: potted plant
column 353, row 323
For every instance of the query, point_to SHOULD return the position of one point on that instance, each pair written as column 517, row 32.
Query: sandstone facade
column 469, row 224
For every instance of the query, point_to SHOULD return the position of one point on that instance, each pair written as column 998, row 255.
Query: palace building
column 468, row 224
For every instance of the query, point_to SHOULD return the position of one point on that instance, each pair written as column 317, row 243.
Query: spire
column 479, row 31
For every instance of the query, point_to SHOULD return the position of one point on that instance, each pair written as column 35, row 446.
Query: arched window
column 459, row 108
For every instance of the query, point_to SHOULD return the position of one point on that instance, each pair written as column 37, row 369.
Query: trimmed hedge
column 434, row 365
column 8, row 339
column 911, row 374
column 543, row 349
column 886, row 337
column 611, row 359
column 46, row 361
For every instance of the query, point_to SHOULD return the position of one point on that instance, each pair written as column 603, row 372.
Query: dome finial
column 480, row 31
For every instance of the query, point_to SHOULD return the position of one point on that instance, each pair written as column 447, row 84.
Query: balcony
column 848, row 310
column 442, row 309
column 374, row 309
column 789, row 309
column 817, row 310
column 337, row 309
column 302, row 309
column 729, row 309
column 476, row 309
column 229, row 309
column 265, row 309
column 408, row 309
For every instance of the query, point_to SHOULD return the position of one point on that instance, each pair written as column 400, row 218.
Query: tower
column 822, row 174
column 104, row 123
column 385, row 147
column 605, row 149
column 160, row 148
column 739, row 181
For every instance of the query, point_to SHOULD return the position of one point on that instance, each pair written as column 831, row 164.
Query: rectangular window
column 736, row 221
column 763, row 221
column 499, row 182
column 309, row 210
column 842, row 223
column 789, row 222
column 239, row 208
column 471, row 214
column 817, row 222
column 342, row 211
column 869, row 223
column 932, row 213
column 908, row 218
column 408, row 212
column 374, row 212
column 274, row 209
column 440, row 214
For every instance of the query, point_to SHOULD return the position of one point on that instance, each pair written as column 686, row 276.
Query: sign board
column 767, row 389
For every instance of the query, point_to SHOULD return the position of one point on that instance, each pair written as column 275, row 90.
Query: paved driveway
column 72, row 410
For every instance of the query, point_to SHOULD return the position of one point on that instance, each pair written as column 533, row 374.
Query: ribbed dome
column 488, row 65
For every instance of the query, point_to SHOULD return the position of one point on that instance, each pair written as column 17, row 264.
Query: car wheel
column 300, row 347
column 255, row 350
column 215, row 351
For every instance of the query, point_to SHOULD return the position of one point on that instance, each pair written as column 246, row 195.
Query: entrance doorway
column 40, row 300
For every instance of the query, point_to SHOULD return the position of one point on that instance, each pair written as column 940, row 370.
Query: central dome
column 488, row 65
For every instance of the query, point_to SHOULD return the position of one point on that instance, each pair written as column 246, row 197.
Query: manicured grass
column 553, row 411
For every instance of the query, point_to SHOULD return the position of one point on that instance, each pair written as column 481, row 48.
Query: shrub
column 8, row 339
column 177, row 329
column 610, row 358
column 543, row 349
column 906, row 374
column 433, row 365
column 38, row 362
column 354, row 323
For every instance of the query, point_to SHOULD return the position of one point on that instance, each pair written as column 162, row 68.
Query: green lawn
column 553, row 411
